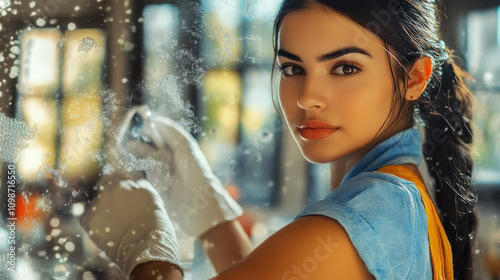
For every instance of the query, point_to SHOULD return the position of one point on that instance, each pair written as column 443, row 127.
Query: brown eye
column 291, row 70
column 347, row 69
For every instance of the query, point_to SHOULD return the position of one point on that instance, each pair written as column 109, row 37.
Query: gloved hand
column 194, row 197
column 128, row 222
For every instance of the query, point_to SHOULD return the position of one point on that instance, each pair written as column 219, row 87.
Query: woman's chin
column 318, row 157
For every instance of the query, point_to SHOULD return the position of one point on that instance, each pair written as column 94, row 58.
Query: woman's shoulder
column 385, row 219
column 382, row 202
column 374, row 192
column 375, row 184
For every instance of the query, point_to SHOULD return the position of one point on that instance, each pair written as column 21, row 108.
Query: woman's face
column 334, row 102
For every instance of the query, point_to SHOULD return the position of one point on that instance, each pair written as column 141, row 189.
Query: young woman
column 356, row 79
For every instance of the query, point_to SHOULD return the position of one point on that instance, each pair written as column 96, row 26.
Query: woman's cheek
column 351, row 101
column 287, row 96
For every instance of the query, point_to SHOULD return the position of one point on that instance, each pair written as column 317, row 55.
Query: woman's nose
column 312, row 95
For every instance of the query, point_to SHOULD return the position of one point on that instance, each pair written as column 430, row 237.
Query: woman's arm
column 226, row 244
column 155, row 271
column 311, row 247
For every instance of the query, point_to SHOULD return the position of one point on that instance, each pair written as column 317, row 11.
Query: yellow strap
column 440, row 249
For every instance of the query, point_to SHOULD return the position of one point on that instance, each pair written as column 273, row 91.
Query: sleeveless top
column 385, row 215
column 441, row 256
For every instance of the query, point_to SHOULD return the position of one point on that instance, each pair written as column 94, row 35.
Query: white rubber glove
column 194, row 197
column 128, row 222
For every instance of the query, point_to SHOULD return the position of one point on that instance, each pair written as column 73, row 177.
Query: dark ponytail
column 445, row 108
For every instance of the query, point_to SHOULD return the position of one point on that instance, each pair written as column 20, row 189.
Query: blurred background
column 70, row 69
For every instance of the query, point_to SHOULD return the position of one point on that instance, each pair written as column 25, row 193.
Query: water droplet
column 14, row 71
column 14, row 50
column 69, row 246
column 71, row 26
column 86, row 45
column 128, row 46
column 87, row 275
column 54, row 222
column 59, row 272
column 40, row 22
column 77, row 209
column 42, row 253
column 55, row 232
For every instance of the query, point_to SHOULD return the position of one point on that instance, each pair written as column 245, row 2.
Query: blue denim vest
column 383, row 215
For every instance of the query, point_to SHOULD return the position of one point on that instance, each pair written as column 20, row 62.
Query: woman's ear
column 420, row 74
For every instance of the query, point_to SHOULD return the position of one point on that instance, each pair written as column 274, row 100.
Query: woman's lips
column 314, row 129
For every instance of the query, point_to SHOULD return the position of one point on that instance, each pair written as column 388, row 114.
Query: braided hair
column 446, row 110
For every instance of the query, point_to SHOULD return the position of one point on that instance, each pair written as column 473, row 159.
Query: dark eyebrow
column 341, row 52
column 328, row 56
column 288, row 55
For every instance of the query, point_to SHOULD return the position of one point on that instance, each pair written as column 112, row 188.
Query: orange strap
column 440, row 249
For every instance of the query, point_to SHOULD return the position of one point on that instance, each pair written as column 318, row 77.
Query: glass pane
column 221, row 93
column 39, row 74
column 483, row 48
column 487, row 133
column 258, row 27
column 483, row 54
column 84, row 54
column 482, row 60
column 260, row 137
column 38, row 159
column 161, row 48
column 82, row 135
column 37, row 86
column 221, row 45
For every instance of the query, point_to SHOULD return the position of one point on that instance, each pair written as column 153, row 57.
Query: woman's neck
column 340, row 167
